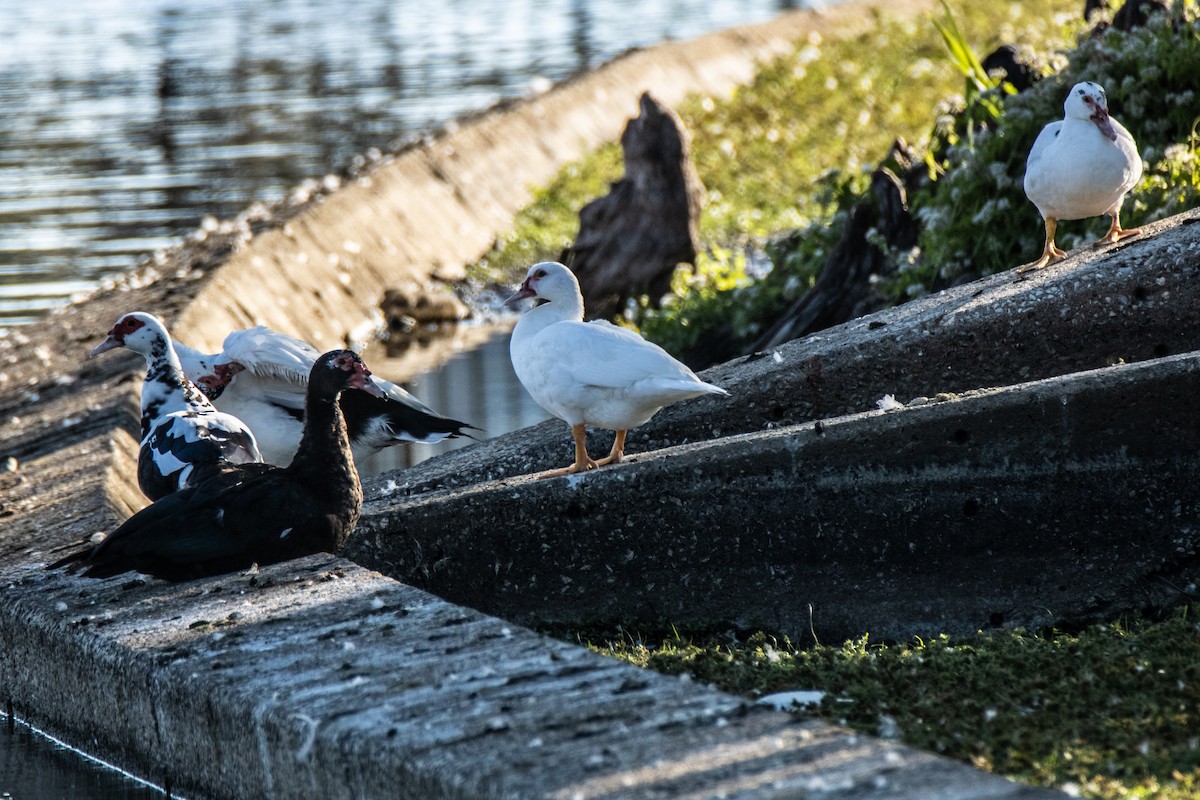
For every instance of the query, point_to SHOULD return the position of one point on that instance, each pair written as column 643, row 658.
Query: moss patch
column 1112, row 711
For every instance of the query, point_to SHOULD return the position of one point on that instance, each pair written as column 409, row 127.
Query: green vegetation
column 785, row 158
column 1110, row 712
column 1149, row 75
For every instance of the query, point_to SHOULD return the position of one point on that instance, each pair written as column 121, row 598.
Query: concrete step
column 1067, row 499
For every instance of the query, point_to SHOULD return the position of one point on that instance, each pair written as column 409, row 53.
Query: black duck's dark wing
column 384, row 421
column 183, row 535
column 251, row 514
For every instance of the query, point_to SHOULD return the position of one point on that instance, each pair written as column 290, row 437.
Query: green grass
column 1110, row 712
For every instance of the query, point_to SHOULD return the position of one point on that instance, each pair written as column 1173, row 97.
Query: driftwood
column 1017, row 72
column 631, row 239
column 1132, row 14
column 843, row 290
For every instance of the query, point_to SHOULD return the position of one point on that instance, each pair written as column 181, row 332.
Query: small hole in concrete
column 971, row 507
column 775, row 413
column 1161, row 350
column 962, row 436
column 1139, row 293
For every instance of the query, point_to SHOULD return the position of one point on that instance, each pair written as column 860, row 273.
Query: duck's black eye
column 541, row 273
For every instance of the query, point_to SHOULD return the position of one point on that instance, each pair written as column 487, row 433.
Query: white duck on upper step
column 591, row 373
column 185, row 440
column 1081, row 166
column 261, row 377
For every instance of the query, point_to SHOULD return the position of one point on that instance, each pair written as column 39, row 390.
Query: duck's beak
column 1104, row 123
column 520, row 294
column 362, row 380
column 111, row 343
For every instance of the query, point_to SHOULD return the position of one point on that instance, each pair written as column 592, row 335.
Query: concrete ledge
column 318, row 678
column 1135, row 301
column 1069, row 499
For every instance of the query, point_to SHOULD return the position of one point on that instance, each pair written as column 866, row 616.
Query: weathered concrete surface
column 320, row 679
column 1068, row 499
column 1134, row 301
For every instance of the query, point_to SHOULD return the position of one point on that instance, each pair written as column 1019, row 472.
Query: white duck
column 262, row 376
column 185, row 440
column 1080, row 167
column 592, row 373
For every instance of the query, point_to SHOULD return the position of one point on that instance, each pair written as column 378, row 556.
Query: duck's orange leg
column 583, row 462
column 1050, row 253
column 618, row 450
column 1115, row 232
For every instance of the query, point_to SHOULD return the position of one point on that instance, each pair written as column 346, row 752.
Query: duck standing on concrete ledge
column 1081, row 166
column 185, row 440
column 591, row 373
column 260, row 378
column 252, row 513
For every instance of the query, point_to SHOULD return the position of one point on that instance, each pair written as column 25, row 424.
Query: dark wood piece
column 631, row 240
column 843, row 290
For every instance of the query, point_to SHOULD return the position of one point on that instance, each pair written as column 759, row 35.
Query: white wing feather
column 605, row 355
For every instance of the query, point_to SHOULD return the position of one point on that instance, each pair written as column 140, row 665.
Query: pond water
column 123, row 123
column 36, row 767
column 466, row 375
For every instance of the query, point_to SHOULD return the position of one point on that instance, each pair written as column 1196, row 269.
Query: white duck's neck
column 560, row 309
column 194, row 363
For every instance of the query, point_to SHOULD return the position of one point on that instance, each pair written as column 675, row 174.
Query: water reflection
column 123, row 123
column 34, row 767
column 468, row 376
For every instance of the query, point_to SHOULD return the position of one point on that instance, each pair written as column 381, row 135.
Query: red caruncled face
column 124, row 327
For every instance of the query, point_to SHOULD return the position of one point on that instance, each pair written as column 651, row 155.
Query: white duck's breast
column 601, row 375
column 276, row 431
column 1081, row 173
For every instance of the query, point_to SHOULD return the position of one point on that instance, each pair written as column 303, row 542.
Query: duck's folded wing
column 605, row 355
column 1044, row 140
column 169, row 535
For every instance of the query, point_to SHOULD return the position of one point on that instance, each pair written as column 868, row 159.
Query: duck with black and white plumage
column 251, row 513
column 260, row 377
column 185, row 439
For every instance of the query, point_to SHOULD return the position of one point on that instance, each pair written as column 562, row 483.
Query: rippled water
column 124, row 122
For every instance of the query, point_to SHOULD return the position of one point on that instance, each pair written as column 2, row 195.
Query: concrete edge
column 994, row 507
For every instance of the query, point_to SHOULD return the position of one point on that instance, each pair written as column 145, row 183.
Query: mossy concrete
column 1131, row 302
column 1066, row 500
column 1033, row 502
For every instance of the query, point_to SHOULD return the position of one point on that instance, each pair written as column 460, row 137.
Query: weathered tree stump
column 631, row 239
column 843, row 291
column 1018, row 73
column 1131, row 14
